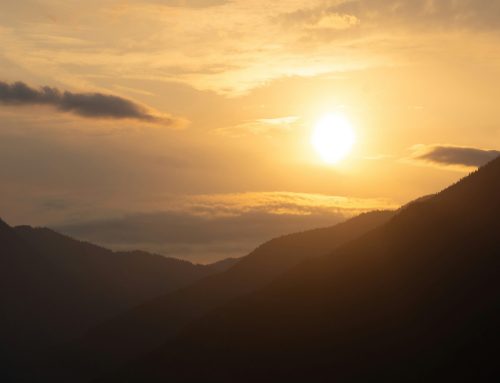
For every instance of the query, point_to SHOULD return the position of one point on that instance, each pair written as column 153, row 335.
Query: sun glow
column 333, row 138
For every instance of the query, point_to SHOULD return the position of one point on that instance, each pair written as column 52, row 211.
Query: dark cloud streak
column 454, row 155
column 89, row 105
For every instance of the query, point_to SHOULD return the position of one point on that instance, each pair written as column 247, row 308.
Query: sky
column 183, row 127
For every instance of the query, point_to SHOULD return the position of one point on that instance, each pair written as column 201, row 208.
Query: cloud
column 477, row 14
column 190, row 3
column 262, row 126
column 231, row 204
column 89, row 105
column 320, row 17
column 456, row 156
column 481, row 14
column 194, row 237
column 208, row 227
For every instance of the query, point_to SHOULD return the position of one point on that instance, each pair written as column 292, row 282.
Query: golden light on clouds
column 288, row 203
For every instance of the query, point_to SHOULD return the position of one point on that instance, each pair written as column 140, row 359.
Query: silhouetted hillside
column 53, row 288
column 150, row 325
column 417, row 299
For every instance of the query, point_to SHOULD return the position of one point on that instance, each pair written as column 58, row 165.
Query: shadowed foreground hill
column 414, row 300
column 149, row 326
column 53, row 288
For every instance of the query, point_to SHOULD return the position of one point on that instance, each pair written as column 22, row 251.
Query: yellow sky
column 239, row 85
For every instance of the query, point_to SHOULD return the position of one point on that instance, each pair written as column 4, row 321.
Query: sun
column 333, row 138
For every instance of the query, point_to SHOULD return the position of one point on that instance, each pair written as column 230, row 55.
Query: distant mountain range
column 405, row 296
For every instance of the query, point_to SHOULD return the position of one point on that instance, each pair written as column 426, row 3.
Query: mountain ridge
column 53, row 288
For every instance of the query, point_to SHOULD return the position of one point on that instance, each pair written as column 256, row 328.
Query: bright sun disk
column 333, row 138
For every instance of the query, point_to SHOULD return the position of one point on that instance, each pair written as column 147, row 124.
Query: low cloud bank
column 207, row 228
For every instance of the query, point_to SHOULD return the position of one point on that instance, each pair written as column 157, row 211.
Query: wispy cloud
column 262, row 126
column 459, row 157
column 320, row 17
column 189, row 3
column 89, row 105
column 479, row 14
column 193, row 41
column 278, row 203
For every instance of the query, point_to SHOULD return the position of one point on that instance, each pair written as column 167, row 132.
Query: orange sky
column 222, row 97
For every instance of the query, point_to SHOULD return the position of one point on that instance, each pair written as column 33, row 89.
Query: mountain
column 150, row 325
column 415, row 300
column 53, row 288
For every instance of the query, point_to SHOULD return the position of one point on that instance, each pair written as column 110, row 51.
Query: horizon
column 262, row 118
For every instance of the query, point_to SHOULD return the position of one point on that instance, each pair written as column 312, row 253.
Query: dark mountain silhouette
column 150, row 325
column 53, row 288
column 416, row 299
